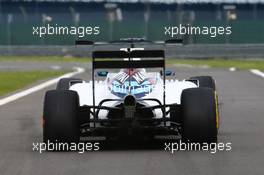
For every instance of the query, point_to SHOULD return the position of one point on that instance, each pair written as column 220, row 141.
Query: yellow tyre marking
column 217, row 110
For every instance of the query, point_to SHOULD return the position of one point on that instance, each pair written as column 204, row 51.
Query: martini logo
column 121, row 77
column 139, row 77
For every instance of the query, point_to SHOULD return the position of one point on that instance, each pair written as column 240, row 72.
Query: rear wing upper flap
column 132, row 54
column 128, row 64
column 99, row 61
column 109, row 54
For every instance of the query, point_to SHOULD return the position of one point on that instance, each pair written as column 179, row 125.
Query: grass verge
column 44, row 59
column 214, row 63
column 11, row 81
column 222, row 63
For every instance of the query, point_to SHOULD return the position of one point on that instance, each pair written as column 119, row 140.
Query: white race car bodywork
column 173, row 89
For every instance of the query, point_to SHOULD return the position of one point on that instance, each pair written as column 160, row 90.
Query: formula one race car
column 131, row 101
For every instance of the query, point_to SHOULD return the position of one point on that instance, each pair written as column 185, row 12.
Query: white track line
column 232, row 69
column 29, row 91
column 55, row 67
column 257, row 72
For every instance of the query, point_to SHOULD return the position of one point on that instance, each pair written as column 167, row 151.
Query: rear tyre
column 209, row 82
column 205, row 81
column 65, row 83
column 60, row 117
column 199, row 121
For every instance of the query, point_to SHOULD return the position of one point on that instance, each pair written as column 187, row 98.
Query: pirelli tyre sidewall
column 209, row 82
column 199, row 115
column 60, row 122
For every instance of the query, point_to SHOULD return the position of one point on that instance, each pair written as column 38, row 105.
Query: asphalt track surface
column 241, row 99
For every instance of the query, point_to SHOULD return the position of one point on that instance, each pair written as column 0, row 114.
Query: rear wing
column 112, row 59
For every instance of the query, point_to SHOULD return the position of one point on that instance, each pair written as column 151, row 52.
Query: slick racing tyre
column 199, row 121
column 60, row 122
column 64, row 83
column 205, row 81
column 209, row 82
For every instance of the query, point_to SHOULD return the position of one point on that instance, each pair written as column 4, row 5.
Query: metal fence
column 127, row 20
column 197, row 51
